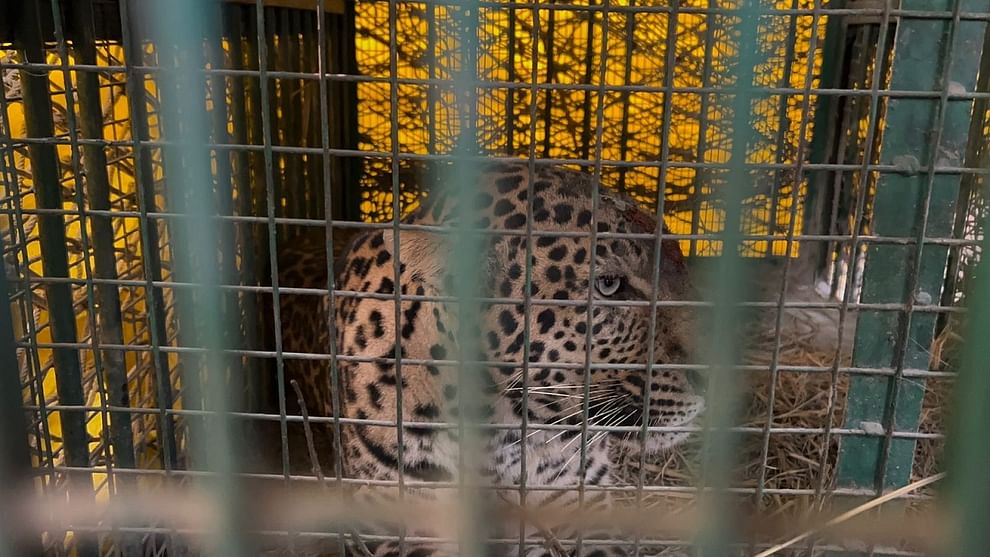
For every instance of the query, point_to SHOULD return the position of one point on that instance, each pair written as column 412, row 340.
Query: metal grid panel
column 225, row 196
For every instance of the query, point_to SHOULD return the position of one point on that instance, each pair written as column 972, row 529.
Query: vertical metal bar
column 189, row 333
column 312, row 115
column 182, row 27
column 549, row 37
column 699, row 174
column 723, row 319
column 395, row 148
column 296, row 190
column 272, row 86
column 55, row 263
column 44, row 438
column 589, row 59
column 528, row 270
column 243, row 189
column 783, row 123
column 127, row 545
column 98, row 189
column 624, row 95
column 344, row 100
column 150, row 245
column 669, row 69
column 266, row 125
column 589, row 316
column 224, row 203
column 510, row 99
column 254, row 37
column 969, row 445
column 15, row 452
column 799, row 173
column 284, row 124
column 824, row 128
column 911, row 274
column 335, row 383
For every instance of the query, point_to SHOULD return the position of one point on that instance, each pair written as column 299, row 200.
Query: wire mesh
column 178, row 200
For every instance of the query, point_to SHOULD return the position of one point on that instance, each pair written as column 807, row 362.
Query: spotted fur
column 370, row 334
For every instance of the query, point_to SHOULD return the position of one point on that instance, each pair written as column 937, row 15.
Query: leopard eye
column 608, row 285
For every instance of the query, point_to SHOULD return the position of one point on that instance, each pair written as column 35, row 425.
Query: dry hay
column 814, row 400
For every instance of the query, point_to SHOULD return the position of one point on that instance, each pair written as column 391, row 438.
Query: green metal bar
column 15, row 453
column 55, row 263
column 969, row 445
column 183, row 267
column 466, row 265
column 723, row 322
column 903, row 273
column 180, row 28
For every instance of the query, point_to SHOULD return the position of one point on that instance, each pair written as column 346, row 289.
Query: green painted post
column 930, row 55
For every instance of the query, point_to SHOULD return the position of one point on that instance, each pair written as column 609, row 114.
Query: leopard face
column 614, row 337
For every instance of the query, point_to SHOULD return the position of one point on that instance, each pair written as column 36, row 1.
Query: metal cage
column 820, row 162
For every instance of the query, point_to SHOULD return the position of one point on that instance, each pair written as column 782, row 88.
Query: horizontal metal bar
column 872, row 306
column 322, row 223
column 910, row 373
column 535, row 365
column 565, row 542
column 496, row 84
column 555, row 488
column 534, row 426
column 889, row 168
column 655, row 9
column 329, row 6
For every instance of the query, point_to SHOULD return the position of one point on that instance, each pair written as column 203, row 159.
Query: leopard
column 588, row 318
